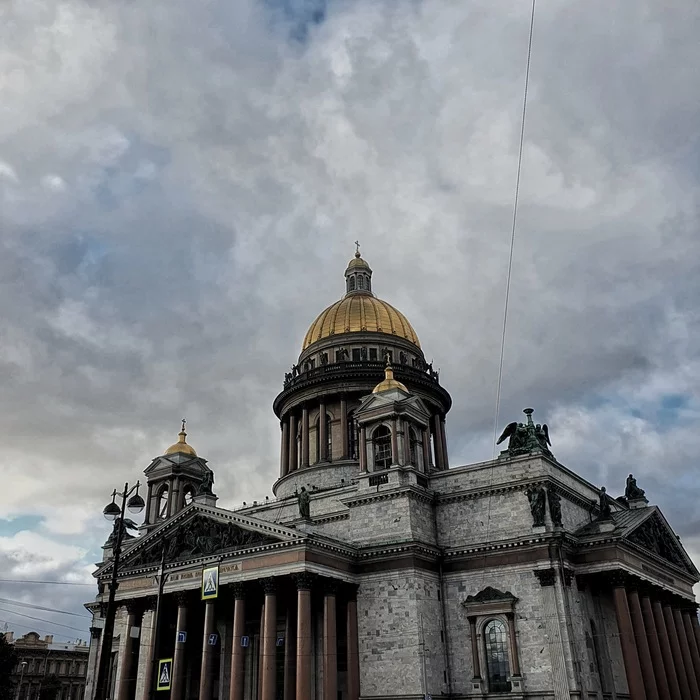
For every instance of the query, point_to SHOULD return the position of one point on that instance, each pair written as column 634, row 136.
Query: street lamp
column 115, row 513
column 23, row 664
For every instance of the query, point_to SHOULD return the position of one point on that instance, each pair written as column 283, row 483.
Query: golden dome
column 360, row 312
column 357, row 261
column 389, row 382
column 181, row 445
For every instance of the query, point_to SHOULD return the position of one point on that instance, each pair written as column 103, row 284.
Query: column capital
column 350, row 591
column 239, row 590
column 568, row 576
column 304, row 581
column 149, row 602
column 330, row 586
column 618, row 579
column 95, row 632
column 182, row 598
column 546, row 577
column 269, row 585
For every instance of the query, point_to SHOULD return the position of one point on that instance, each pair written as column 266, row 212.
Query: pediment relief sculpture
column 199, row 536
column 653, row 535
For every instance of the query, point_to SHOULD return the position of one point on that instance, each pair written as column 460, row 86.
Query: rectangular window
column 373, row 354
column 356, row 356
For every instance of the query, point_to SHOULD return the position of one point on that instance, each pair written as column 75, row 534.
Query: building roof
column 360, row 313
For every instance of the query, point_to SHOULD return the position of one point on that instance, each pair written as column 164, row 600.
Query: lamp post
column 114, row 513
column 23, row 664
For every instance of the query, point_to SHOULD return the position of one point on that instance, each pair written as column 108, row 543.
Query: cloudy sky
column 181, row 184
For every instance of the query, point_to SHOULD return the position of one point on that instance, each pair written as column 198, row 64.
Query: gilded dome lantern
column 343, row 358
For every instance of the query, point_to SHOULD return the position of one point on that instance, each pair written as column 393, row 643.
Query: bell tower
column 174, row 480
column 394, row 428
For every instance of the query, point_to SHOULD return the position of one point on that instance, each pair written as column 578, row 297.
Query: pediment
column 407, row 403
column 655, row 535
column 200, row 531
column 165, row 463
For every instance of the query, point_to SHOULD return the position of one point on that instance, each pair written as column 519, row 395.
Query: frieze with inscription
column 200, row 536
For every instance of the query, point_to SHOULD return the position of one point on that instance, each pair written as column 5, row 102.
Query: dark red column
column 627, row 641
column 642, row 645
column 676, row 651
column 692, row 642
column 655, row 649
column 237, row 651
column 666, row 651
column 685, row 653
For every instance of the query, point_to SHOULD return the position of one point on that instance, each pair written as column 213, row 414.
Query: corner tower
column 342, row 359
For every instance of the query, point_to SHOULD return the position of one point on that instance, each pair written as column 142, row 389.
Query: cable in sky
column 43, row 619
column 40, row 607
column 512, row 234
column 52, row 583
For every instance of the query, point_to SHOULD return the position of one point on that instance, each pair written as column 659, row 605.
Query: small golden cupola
column 174, row 480
column 181, row 445
column 389, row 383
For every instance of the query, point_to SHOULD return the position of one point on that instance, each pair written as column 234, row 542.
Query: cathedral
column 382, row 572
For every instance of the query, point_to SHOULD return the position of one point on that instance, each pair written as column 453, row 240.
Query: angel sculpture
column 526, row 437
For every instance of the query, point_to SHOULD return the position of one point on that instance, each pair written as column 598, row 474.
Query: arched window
column 413, row 447
column 497, row 668
column 382, row 447
column 360, row 282
column 187, row 494
column 351, row 284
column 329, row 440
column 163, row 498
column 352, row 436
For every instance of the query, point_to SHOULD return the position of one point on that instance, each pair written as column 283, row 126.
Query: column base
column 477, row 686
column 516, row 683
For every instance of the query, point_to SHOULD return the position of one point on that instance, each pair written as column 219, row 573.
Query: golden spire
column 389, row 382
column 181, row 445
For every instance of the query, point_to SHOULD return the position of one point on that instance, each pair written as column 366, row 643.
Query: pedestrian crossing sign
column 165, row 674
column 210, row 582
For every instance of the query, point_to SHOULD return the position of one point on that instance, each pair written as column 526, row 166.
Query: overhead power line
column 40, row 607
column 49, row 583
column 43, row 619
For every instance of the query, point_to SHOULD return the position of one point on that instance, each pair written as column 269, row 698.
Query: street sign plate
column 213, row 639
column 182, row 637
column 165, row 674
column 210, row 582
column 245, row 641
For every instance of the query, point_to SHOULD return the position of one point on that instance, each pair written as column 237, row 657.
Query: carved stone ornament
column 304, row 581
column 537, row 498
column 200, row 536
column 488, row 595
column 653, row 536
column 546, row 577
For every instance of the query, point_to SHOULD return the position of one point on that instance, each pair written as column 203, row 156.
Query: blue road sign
column 213, row 639
column 245, row 641
column 181, row 637
column 280, row 642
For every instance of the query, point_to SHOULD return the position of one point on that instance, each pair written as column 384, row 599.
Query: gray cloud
column 181, row 185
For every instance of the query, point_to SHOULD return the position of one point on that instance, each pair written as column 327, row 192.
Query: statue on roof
column 632, row 491
column 525, row 438
column 604, row 505
column 205, row 486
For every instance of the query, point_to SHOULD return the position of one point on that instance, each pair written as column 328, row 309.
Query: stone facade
column 58, row 670
column 380, row 572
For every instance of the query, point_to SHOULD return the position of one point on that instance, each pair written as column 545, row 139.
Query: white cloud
column 215, row 176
